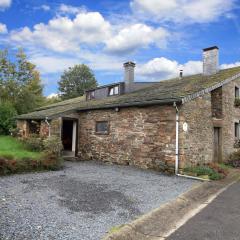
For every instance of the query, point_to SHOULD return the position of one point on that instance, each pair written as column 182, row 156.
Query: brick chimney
column 210, row 60
column 129, row 75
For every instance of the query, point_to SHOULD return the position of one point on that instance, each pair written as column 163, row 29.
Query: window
column 236, row 129
column 90, row 95
column 237, row 92
column 113, row 90
column 102, row 127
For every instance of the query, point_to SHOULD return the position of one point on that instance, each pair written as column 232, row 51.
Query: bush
column 234, row 159
column 51, row 162
column 213, row 171
column 7, row 114
column 15, row 132
column 34, row 143
column 10, row 166
column 53, row 146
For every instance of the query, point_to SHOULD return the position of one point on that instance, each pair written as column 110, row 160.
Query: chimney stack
column 181, row 74
column 210, row 60
column 129, row 75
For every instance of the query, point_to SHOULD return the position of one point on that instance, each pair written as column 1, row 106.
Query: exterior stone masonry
column 144, row 137
column 23, row 127
column 231, row 114
column 196, row 145
column 202, row 114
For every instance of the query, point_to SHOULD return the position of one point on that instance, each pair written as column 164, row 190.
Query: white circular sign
column 185, row 127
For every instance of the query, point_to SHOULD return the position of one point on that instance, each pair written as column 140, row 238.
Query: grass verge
column 12, row 148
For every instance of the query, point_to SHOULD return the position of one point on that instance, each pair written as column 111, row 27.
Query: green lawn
column 13, row 148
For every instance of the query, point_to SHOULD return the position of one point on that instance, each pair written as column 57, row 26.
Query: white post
column 74, row 136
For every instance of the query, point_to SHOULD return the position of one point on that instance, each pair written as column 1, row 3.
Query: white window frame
column 114, row 90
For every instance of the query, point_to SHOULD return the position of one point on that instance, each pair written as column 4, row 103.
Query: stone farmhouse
column 162, row 125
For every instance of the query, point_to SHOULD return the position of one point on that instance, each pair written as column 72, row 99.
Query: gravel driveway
column 83, row 201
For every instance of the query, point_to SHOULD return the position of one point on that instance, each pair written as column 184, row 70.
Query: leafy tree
column 75, row 81
column 20, row 82
column 7, row 114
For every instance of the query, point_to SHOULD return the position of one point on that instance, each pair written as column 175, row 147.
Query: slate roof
column 164, row 92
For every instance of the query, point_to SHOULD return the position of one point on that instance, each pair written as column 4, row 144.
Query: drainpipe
column 49, row 127
column 177, row 149
column 177, row 143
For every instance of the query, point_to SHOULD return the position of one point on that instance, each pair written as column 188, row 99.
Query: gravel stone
column 82, row 201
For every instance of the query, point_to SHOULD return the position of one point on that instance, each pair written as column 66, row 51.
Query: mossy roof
column 164, row 92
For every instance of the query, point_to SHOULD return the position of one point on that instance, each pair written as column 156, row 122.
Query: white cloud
column 163, row 68
column 63, row 34
column 187, row 11
column 45, row 7
column 52, row 64
column 52, row 95
column 136, row 36
column 89, row 29
column 68, row 9
column 5, row 4
column 3, row 28
column 230, row 65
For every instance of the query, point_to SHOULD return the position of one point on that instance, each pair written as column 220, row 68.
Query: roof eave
column 133, row 104
column 209, row 89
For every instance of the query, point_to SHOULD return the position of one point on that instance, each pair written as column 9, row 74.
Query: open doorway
column 69, row 137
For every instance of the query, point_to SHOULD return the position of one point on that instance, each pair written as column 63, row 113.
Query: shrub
column 7, row 114
column 51, row 162
column 15, row 132
column 213, row 171
column 234, row 159
column 53, row 146
column 34, row 143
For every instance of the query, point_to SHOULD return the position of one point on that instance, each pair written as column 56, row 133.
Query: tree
column 75, row 81
column 7, row 114
column 20, row 82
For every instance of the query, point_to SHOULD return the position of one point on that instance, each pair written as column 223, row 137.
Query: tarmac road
column 220, row 220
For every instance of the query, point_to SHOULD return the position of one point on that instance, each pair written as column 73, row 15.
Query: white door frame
column 74, row 136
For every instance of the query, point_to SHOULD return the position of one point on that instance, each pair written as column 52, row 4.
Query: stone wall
column 196, row 144
column 231, row 114
column 144, row 137
column 217, row 103
column 56, row 127
column 23, row 127
column 202, row 115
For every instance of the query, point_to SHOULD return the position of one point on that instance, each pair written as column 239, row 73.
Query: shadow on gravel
column 90, row 198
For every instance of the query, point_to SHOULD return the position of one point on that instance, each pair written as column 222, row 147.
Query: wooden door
column 217, row 144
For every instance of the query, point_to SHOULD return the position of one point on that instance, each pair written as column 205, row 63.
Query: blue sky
column 161, row 36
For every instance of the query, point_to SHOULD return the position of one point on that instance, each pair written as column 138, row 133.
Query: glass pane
column 102, row 127
column 236, row 92
column 116, row 90
column 236, row 129
column 111, row 92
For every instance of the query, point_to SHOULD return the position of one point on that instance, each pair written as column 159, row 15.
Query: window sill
column 102, row 133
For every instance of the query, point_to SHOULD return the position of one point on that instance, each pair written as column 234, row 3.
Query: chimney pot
column 210, row 60
column 129, row 75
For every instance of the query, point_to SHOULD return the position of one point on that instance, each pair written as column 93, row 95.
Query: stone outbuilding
column 162, row 125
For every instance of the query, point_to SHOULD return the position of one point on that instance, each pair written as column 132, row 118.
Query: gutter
column 177, row 150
